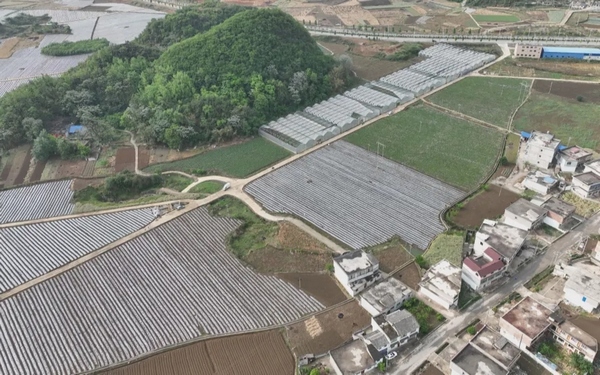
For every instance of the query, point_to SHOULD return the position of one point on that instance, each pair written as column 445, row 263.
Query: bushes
column 471, row 330
column 583, row 366
column 423, row 313
column 122, row 186
column 46, row 146
column 74, row 48
column 407, row 52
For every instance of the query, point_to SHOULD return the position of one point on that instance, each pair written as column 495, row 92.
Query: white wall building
column 572, row 158
column 558, row 212
column 525, row 323
column 540, row 182
column 582, row 288
column 392, row 330
column 524, row 215
column 586, row 185
column 441, row 283
column 481, row 272
column 385, row 297
column 529, row 51
column 540, row 150
column 506, row 240
column 356, row 270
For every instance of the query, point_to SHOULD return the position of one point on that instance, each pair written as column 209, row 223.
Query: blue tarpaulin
column 525, row 135
column 561, row 147
column 75, row 129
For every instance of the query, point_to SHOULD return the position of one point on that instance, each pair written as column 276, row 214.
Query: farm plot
column 36, row 202
column 565, row 118
column 30, row 251
column 455, row 151
column 588, row 92
column 321, row 286
column 239, row 160
column 125, row 159
column 252, row 353
column 488, row 204
column 357, row 197
column 446, row 246
column 473, row 95
column 167, row 286
column 495, row 18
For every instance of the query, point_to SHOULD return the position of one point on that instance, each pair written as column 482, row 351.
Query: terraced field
column 172, row 284
column 357, row 197
column 39, row 201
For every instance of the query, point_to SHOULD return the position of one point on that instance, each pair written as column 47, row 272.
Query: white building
column 506, row 240
column 481, row 272
column 575, row 339
column 385, row 297
column 356, row 357
column 540, row 150
column 582, row 288
column 528, row 51
column 586, row 185
column 572, row 158
column 441, row 283
column 356, row 270
column 392, row 330
column 524, row 215
column 540, row 182
column 525, row 323
column 558, row 212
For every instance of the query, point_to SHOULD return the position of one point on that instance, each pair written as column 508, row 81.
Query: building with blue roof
column 575, row 53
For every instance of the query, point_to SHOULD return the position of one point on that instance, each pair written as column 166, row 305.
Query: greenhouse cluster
column 301, row 131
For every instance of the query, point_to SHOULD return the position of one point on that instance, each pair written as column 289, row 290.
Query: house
column 385, row 297
column 572, row 158
column 595, row 255
column 441, row 283
column 496, row 347
column 540, row 182
column 355, row 358
column 582, row 288
column 573, row 338
column 525, row 323
column 558, row 212
column 524, row 215
column 528, row 51
column 480, row 272
column 392, row 330
column 586, row 185
column 506, row 240
column 471, row 361
column 592, row 166
column 540, row 150
column 356, row 270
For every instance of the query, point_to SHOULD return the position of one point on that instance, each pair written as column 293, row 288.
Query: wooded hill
column 200, row 75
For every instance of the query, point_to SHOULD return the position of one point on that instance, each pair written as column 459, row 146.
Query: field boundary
column 512, row 117
column 462, row 116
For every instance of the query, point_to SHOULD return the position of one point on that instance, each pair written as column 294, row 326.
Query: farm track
column 462, row 116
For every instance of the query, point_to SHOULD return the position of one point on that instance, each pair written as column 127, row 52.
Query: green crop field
column 238, row 160
column 492, row 100
column 450, row 149
column 445, row 246
column 565, row 118
column 496, row 18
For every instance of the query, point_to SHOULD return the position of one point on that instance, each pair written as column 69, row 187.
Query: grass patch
column 239, row 160
column 92, row 206
column 427, row 317
column 207, row 187
column 435, row 144
column 583, row 207
column 473, row 95
column 496, row 18
column 511, row 150
column 445, row 246
column 175, row 181
column 555, row 16
column 467, row 297
column 537, row 280
column 513, row 297
column 562, row 117
column 74, row 48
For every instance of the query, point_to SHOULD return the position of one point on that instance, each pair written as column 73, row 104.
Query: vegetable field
column 445, row 246
column 492, row 100
column 238, row 160
column 454, row 151
column 488, row 18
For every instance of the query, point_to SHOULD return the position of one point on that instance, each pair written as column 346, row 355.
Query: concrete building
column 385, row 297
column 572, row 158
column 540, row 182
column 595, row 255
column 493, row 345
column 574, row 339
column 355, row 358
column 528, row 51
column 558, row 212
column 506, row 240
column 481, row 272
column 356, row 270
column 574, row 53
column 392, row 330
column 442, row 284
column 540, row 150
column 525, row 323
column 524, row 215
column 471, row 361
column 582, row 288
column 592, row 166
column 586, row 185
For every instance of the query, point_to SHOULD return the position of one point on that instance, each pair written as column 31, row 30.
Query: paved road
column 413, row 360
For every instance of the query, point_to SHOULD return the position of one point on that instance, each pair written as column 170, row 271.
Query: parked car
column 391, row 355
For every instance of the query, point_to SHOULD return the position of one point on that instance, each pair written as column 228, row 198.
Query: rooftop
column 377, row 338
column 572, row 50
column 384, row 295
column 443, row 278
column 575, row 153
column 560, row 207
column 505, row 239
column 542, row 178
column 485, row 265
column 579, row 334
column 529, row 317
column 352, row 358
column 400, row 323
column 494, row 345
column 583, row 277
column 526, row 210
column 543, row 140
column 356, row 260
column 588, row 178
column 473, row 362
column 594, row 165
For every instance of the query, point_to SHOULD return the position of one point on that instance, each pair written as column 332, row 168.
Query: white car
column 391, row 355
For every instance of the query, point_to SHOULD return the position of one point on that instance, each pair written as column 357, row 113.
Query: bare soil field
column 569, row 90
column 7, row 46
column 253, row 353
column 16, row 166
column 409, row 275
column 272, row 260
column 125, row 159
column 82, row 183
column 143, row 157
column 70, row 168
column 328, row 330
column 461, row 21
column 20, row 177
column 292, row 237
column 36, row 175
column 391, row 254
column 389, row 17
column 485, row 205
column 321, row 286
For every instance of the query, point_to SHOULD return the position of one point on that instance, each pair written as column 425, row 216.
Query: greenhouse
column 417, row 83
column 373, row 98
column 297, row 133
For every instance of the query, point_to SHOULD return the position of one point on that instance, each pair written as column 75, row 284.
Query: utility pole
column 382, row 146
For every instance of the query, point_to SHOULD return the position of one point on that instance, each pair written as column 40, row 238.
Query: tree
column 32, row 127
column 421, row 261
column 381, row 366
column 67, row 149
column 44, row 146
column 471, row 330
column 315, row 371
column 583, row 366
